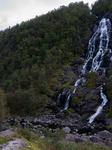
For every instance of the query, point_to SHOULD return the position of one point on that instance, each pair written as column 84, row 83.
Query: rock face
column 93, row 139
column 104, row 135
column 14, row 144
column 81, row 104
column 7, row 133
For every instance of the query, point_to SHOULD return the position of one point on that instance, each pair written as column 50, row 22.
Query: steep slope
column 30, row 53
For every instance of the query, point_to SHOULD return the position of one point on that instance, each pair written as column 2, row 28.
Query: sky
column 13, row 12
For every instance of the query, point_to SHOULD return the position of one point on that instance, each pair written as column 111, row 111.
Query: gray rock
column 104, row 134
column 67, row 130
column 70, row 137
column 42, row 137
column 79, row 61
column 7, row 133
column 14, row 145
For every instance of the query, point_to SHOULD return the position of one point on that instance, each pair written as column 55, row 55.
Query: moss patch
column 68, row 111
column 77, row 99
column 92, row 77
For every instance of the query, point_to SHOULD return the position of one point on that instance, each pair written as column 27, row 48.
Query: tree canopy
column 31, row 52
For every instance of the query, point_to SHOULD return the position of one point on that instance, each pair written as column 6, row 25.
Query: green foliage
column 3, row 109
column 26, row 133
column 102, row 7
column 109, row 89
column 59, row 135
column 23, row 102
column 77, row 99
column 110, row 112
column 31, row 52
column 92, row 77
column 68, row 111
column 109, row 82
column 47, row 132
column 4, row 139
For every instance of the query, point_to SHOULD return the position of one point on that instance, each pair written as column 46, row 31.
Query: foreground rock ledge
column 14, row 143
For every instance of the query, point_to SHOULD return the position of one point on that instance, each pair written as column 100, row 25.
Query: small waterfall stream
column 98, row 46
column 99, row 109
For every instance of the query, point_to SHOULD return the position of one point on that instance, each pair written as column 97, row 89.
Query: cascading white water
column 81, row 80
column 96, row 54
column 103, row 45
column 58, row 100
column 99, row 109
column 102, row 34
column 67, row 100
column 97, row 48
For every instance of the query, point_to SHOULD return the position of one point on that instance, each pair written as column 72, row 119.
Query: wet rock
column 78, row 61
column 61, row 114
column 95, row 28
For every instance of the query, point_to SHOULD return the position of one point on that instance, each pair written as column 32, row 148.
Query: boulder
column 67, row 130
column 70, row 137
column 7, row 133
column 61, row 114
column 78, row 61
column 14, row 144
column 42, row 137
column 104, row 134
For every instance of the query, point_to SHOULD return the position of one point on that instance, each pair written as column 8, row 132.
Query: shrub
column 47, row 132
column 59, row 135
column 68, row 111
column 92, row 77
column 2, row 105
column 25, row 133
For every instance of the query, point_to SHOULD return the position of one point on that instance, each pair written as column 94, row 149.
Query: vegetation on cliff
column 102, row 7
column 31, row 52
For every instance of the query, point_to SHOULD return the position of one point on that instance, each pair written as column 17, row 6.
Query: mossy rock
column 92, row 77
column 68, row 111
column 76, row 100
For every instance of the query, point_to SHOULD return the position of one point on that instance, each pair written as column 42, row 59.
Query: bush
column 92, row 77
column 2, row 105
column 47, row 132
column 26, row 133
column 59, row 135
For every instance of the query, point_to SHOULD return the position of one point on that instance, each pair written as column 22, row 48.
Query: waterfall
column 67, row 100
column 102, row 34
column 97, row 48
column 95, row 51
column 99, row 109
column 81, row 80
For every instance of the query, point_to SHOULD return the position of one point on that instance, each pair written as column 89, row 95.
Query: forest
column 32, row 52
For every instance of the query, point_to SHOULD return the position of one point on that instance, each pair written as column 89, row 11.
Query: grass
column 55, row 141
column 54, row 78
column 4, row 139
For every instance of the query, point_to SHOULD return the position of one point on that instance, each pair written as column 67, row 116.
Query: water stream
column 97, row 48
column 99, row 109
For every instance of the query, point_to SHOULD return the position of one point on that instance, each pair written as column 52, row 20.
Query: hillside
column 56, row 77
column 30, row 53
